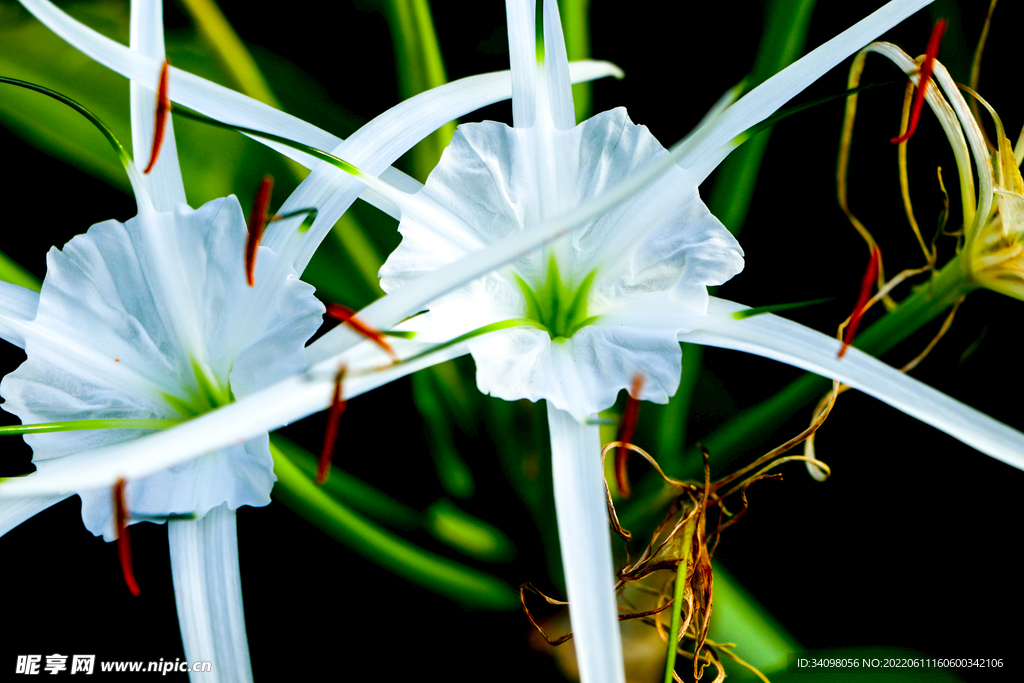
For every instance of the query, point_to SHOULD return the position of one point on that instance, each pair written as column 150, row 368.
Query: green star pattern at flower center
column 205, row 395
column 559, row 308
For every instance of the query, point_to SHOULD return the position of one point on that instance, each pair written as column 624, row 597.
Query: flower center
column 559, row 308
column 208, row 393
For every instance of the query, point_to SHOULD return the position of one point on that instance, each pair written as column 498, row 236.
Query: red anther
column 124, row 546
column 347, row 315
column 257, row 223
column 331, row 433
column 925, row 77
column 870, row 275
column 163, row 107
column 626, row 429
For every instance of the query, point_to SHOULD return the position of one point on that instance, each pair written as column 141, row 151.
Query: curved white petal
column 586, row 547
column 380, row 142
column 704, row 147
column 209, row 98
column 14, row 511
column 266, row 410
column 18, row 305
column 945, row 115
column 163, row 183
column 208, row 595
column 783, row 340
column 373, row 148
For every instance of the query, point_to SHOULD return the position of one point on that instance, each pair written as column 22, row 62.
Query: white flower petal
column 692, row 249
column 586, row 547
column 101, row 346
column 373, row 148
column 581, row 375
column 522, row 53
column 253, row 335
column 14, row 511
column 704, row 147
column 783, row 340
column 18, row 305
column 237, row 475
column 379, row 143
column 163, row 183
column 208, row 595
column 556, row 70
column 266, row 410
column 120, row 368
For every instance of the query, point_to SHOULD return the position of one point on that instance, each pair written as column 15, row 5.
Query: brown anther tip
column 626, row 430
column 927, row 68
column 163, row 107
column 866, row 285
column 337, row 409
column 346, row 315
column 257, row 223
column 124, row 550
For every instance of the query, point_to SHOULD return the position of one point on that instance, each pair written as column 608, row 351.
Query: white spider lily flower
column 627, row 276
column 152, row 320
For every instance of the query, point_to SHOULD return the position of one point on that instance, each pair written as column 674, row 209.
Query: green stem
column 784, row 37
column 342, row 486
column 122, row 155
column 420, row 67
column 677, row 617
column 76, row 425
column 467, row 586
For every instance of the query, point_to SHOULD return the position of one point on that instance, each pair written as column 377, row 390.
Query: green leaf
column 760, row 639
column 469, row 587
column 783, row 40
column 420, row 67
column 465, row 532
column 350, row 490
column 452, row 471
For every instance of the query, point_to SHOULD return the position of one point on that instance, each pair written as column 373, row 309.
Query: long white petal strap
column 784, row 340
column 556, row 70
column 766, row 98
column 387, row 137
column 266, row 410
column 163, row 183
column 209, row 98
column 373, row 148
column 14, row 511
column 208, row 595
column 522, row 52
column 586, row 547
